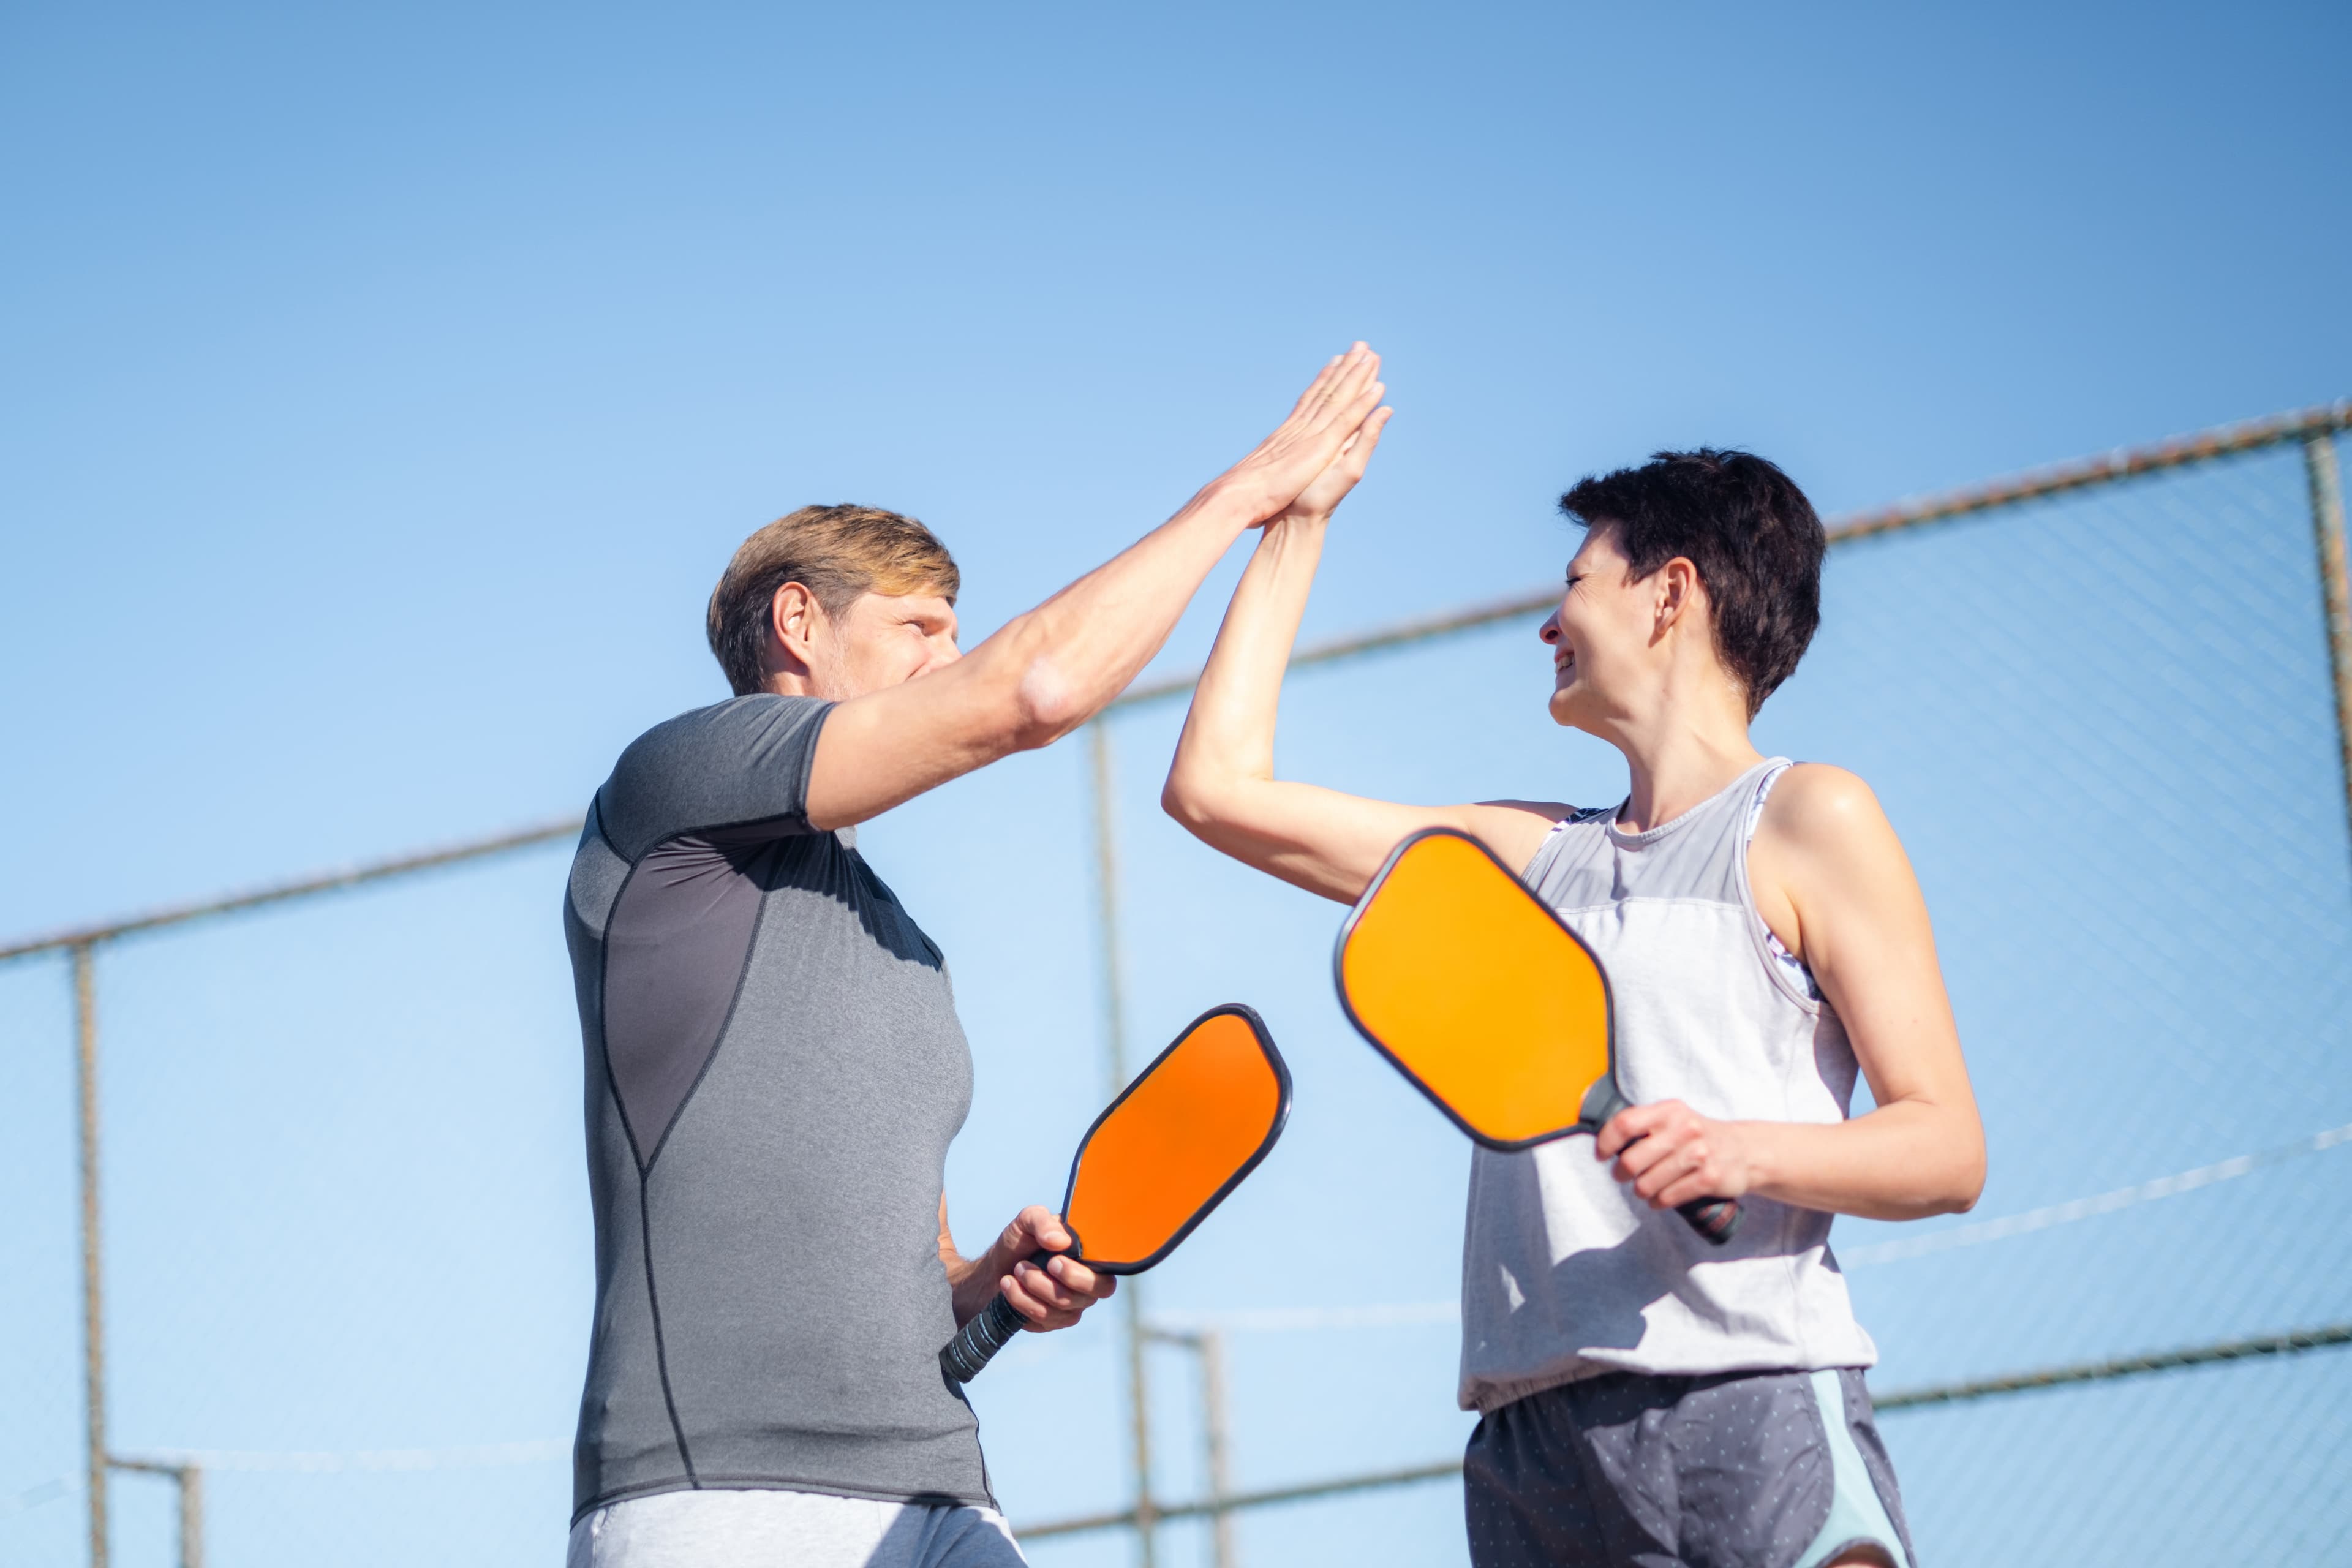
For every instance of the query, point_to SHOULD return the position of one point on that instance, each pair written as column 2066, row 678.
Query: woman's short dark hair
column 1756, row 540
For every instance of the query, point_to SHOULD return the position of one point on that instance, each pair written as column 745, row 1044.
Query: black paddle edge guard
column 1273, row 1133
column 1340, row 984
column 993, row 1327
column 1714, row 1219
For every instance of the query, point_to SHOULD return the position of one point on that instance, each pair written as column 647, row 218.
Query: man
column 1646, row 1400
column 774, row 1068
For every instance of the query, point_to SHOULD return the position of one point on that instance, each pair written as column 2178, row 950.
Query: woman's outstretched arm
column 1221, row 786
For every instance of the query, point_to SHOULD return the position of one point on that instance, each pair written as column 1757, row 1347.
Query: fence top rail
column 278, row 892
column 2126, row 462
column 2122, row 463
column 2180, row 451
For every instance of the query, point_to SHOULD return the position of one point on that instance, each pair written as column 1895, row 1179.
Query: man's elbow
column 1041, row 707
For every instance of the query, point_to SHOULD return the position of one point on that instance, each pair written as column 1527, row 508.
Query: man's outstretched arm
column 1048, row 671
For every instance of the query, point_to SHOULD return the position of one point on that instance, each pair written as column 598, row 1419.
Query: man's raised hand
column 1334, row 415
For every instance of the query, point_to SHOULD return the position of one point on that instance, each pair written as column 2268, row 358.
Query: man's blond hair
column 836, row 552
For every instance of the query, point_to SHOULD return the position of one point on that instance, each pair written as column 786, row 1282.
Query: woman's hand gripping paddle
column 1175, row 1143
column 1477, row 993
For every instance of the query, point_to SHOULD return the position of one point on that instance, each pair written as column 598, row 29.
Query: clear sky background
column 384, row 394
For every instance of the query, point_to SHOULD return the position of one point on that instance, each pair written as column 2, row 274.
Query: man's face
column 883, row 640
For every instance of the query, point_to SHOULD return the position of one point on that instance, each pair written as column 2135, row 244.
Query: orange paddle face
column 1183, row 1135
column 1476, row 992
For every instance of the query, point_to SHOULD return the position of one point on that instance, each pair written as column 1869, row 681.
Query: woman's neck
column 1677, row 763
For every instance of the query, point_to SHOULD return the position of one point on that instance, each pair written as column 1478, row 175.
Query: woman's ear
column 1678, row 590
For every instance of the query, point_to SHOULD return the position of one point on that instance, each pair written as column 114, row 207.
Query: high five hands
column 1315, row 455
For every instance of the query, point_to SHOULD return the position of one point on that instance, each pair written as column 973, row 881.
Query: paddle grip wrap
column 991, row 1330
column 1714, row 1218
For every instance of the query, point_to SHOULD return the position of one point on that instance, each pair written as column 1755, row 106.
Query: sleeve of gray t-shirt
column 743, row 764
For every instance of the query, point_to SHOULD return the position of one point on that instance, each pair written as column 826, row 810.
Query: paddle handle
column 1713, row 1219
column 991, row 1330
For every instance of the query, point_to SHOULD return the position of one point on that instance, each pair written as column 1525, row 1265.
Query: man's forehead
column 924, row 606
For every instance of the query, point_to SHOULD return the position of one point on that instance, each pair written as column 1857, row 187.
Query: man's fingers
column 1041, row 1286
column 1036, row 1229
column 1347, row 389
column 1028, row 1303
column 1320, row 390
column 1077, row 1279
column 1037, row 1312
column 1308, row 398
column 1345, row 380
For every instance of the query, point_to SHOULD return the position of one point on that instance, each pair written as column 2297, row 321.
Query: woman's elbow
column 1185, row 798
column 1973, row 1183
column 1964, row 1183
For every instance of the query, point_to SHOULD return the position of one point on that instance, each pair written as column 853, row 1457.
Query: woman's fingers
column 1676, row 1165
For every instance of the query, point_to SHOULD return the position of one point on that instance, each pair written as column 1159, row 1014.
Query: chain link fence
column 343, row 1294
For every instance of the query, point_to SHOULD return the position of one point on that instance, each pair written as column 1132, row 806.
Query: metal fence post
column 1209, row 1344
column 2319, row 467
column 192, row 1517
column 93, row 1313
column 1114, row 1045
column 188, row 1477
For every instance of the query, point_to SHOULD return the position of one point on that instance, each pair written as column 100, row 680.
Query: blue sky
column 383, row 393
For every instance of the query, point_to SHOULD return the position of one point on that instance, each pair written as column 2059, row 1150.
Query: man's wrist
column 1236, row 502
column 970, row 1287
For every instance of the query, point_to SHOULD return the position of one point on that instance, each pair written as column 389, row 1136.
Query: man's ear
column 795, row 624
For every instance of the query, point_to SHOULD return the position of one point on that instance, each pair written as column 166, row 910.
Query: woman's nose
column 1551, row 630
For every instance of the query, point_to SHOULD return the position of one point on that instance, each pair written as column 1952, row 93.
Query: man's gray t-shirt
column 774, row 1072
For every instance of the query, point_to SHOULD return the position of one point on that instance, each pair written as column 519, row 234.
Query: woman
column 1644, row 1398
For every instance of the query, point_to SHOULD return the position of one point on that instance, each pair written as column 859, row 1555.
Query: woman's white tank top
column 1565, row 1274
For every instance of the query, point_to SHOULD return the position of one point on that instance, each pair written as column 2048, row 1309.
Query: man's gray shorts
column 1779, row 1469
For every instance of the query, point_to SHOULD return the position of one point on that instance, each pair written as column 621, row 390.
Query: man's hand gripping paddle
column 1168, row 1149
column 1476, row 992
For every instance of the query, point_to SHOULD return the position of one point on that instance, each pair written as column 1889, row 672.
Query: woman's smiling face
column 1600, row 633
